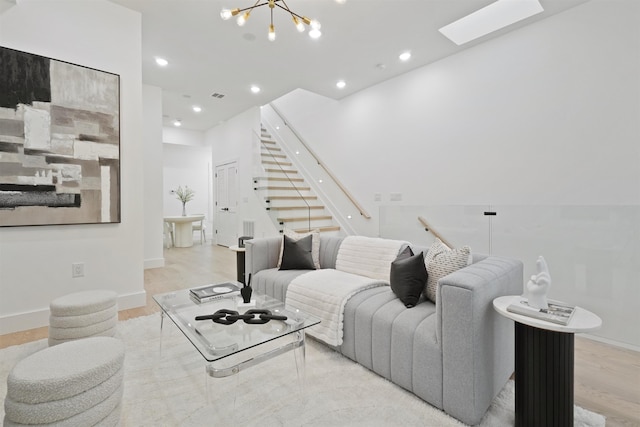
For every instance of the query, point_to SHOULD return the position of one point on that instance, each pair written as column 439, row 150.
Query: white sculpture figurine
column 538, row 286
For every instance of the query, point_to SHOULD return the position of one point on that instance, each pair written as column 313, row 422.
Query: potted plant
column 184, row 195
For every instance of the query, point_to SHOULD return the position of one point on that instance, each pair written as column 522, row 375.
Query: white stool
column 78, row 383
column 83, row 314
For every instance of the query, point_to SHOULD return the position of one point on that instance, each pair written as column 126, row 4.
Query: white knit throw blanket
column 323, row 294
column 368, row 256
column 361, row 263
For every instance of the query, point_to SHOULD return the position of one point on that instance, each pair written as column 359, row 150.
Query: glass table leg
column 300, row 356
column 161, row 330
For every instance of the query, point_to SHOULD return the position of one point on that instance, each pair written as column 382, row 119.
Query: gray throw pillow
column 408, row 277
column 296, row 254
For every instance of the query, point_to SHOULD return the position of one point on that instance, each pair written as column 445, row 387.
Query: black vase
column 246, row 294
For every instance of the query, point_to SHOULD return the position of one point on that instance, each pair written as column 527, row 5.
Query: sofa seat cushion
column 399, row 344
column 274, row 282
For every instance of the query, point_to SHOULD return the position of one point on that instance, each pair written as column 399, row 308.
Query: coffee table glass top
column 216, row 341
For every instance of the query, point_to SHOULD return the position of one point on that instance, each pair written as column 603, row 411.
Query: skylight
column 489, row 19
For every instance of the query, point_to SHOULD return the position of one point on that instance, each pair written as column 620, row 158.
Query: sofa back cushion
column 408, row 277
column 329, row 246
column 296, row 254
column 368, row 256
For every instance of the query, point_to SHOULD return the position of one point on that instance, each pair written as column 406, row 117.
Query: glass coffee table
column 231, row 348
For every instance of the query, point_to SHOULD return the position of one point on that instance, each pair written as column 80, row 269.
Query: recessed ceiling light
column 177, row 123
column 405, row 56
column 489, row 19
column 341, row 84
column 255, row 89
column 197, row 108
column 161, row 61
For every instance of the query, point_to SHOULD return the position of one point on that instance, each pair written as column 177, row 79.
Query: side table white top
column 182, row 219
column 236, row 248
column 582, row 320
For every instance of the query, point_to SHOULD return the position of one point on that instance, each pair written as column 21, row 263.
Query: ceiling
column 360, row 43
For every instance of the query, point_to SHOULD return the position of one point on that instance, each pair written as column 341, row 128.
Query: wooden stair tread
column 322, row 229
column 269, row 162
column 275, row 187
column 293, row 208
column 281, row 170
column 279, row 179
column 277, row 156
column 272, row 149
column 291, row 198
column 305, row 218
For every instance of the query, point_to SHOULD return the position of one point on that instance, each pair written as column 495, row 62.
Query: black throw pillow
column 296, row 254
column 408, row 277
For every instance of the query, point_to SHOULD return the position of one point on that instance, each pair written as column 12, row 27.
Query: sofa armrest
column 261, row 254
column 477, row 343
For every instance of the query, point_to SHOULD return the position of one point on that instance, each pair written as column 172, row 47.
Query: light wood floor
column 607, row 378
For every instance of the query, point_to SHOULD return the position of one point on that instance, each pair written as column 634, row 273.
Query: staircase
column 290, row 201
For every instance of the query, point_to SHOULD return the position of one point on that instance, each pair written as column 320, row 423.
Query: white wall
column 548, row 114
column 173, row 135
column 35, row 262
column 185, row 165
column 153, row 209
column 236, row 140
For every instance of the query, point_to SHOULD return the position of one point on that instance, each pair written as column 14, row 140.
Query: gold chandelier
column 299, row 21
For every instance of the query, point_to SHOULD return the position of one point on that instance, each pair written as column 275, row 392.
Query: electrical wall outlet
column 77, row 269
column 395, row 197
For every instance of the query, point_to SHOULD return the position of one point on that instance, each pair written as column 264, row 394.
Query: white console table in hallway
column 183, row 229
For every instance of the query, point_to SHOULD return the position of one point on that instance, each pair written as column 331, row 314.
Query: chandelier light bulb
column 272, row 33
column 314, row 33
column 299, row 24
column 225, row 14
column 315, row 25
column 242, row 19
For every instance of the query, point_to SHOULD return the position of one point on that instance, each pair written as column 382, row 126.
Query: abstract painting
column 59, row 142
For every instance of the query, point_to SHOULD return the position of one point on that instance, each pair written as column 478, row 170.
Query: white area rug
column 170, row 389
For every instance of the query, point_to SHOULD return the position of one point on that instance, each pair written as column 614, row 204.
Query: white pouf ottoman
column 83, row 314
column 78, row 383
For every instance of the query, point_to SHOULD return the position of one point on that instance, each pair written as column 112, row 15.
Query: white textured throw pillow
column 315, row 244
column 440, row 261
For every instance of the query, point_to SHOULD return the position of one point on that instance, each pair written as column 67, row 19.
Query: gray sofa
column 456, row 356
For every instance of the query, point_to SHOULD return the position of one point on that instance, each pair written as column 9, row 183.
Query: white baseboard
column 24, row 321
column 38, row 318
column 153, row 263
column 611, row 342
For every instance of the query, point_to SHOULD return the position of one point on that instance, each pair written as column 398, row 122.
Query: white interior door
column 226, row 185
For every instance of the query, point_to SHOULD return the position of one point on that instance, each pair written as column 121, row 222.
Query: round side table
column 544, row 361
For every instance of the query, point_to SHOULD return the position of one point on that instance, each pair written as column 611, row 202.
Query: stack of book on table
column 211, row 292
column 557, row 312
